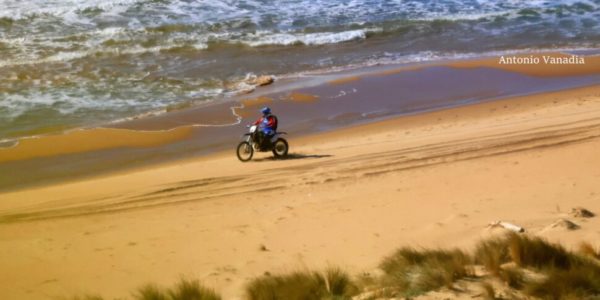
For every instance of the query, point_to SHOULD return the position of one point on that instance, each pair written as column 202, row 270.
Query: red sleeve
column 257, row 121
column 271, row 122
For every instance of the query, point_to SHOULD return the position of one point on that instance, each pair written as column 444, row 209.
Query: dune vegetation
column 528, row 266
column 331, row 284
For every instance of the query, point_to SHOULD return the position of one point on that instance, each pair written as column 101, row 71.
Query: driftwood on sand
column 506, row 225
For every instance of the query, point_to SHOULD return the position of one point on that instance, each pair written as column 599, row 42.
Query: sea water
column 72, row 63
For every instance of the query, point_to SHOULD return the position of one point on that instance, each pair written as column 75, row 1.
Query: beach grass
column 513, row 277
column 333, row 283
column 581, row 282
column 538, row 253
column 151, row 292
column 492, row 253
column 586, row 249
column 183, row 290
column 412, row 272
column 561, row 274
column 530, row 265
column 487, row 291
column 87, row 297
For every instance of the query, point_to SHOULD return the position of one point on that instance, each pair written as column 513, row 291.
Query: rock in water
column 580, row 212
column 264, row 80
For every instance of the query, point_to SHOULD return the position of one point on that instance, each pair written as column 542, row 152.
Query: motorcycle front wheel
column 244, row 151
column 280, row 148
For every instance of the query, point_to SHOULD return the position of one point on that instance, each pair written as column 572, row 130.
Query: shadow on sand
column 291, row 156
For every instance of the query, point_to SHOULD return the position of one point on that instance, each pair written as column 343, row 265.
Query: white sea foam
column 196, row 40
column 18, row 9
column 319, row 38
column 284, row 30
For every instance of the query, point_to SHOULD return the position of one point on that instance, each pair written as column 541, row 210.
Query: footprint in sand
column 226, row 269
column 49, row 281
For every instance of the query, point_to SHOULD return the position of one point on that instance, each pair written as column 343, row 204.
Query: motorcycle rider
column 267, row 126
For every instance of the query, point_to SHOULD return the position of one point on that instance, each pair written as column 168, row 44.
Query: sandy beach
column 437, row 150
column 346, row 197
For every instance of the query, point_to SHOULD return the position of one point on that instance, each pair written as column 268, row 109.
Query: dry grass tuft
column 184, row 290
column 513, row 277
column 487, row 291
column 87, row 297
column 588, row 250
column 581, row 282
column 561, row 274
column 339, row 282
column 192, row 290
column 492, row 253
column 411, row 272
column 150, row 292
column 566, row 275
column 334, row 284
column 538, row 253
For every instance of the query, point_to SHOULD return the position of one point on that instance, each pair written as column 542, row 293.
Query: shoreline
column 344, row 99
column 348, row 196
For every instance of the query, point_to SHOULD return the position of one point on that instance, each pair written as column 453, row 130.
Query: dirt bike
column 252, row 142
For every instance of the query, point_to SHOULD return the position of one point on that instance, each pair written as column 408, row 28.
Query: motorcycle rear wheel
column 280, row 148
column 244, row 151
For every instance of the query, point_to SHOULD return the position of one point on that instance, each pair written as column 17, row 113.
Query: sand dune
column 346, row 198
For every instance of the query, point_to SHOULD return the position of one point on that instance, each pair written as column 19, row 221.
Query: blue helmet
column 265, row 110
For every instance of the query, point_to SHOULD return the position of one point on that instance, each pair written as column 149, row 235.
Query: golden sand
column 346, row 198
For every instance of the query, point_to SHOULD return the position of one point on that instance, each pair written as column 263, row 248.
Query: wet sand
column 347, row 197
column 316, row 104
